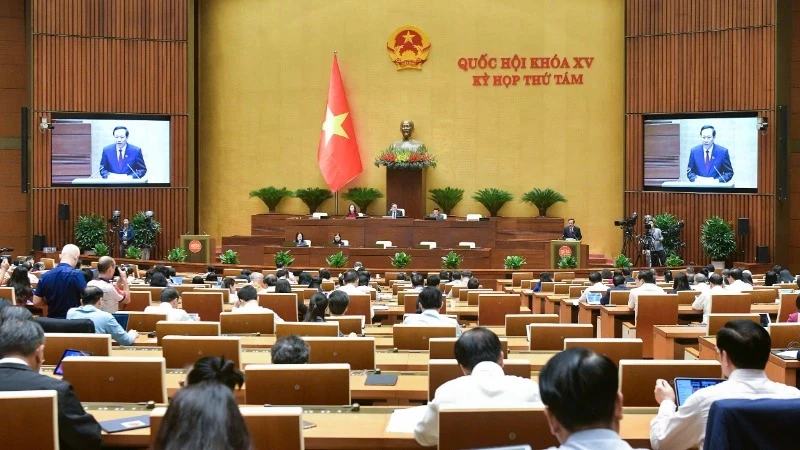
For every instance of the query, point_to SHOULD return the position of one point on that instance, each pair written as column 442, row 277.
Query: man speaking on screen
column 708, row 161
column 122, row 158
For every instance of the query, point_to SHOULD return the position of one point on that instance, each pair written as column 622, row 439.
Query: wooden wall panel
column 688, row 56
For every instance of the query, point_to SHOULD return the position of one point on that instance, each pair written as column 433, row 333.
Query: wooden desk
column 782, row 370
column 568, row 311
column 665, row 338
column 611, row 319
column 588, row 314
column 502, row 283
column 553, row 301
column 708, row 347
column 340, row 428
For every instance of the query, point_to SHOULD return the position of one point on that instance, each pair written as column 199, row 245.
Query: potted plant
column 670, row 228
column 673, row 261
column 446, row 198
column 101, row 249
column 336, row 260
column 400, row 260
column 493, row 199
column 145, row 232
column 313, row 197
column 514, row 262
column 543, row 199
column 90, row 230
column 133, row 253
column 229, row 257
column 271, row 196
column 176, row 254
column 622, row 261
column 362, row 197
column 452, row 260
column 567, row 262
column 284, row 258
column 717, row 240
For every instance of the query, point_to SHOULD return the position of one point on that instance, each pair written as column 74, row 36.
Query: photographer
column 657, row 254
column 114, row 293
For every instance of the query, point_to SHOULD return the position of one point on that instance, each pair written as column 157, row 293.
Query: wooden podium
column 577, row 249
column 406, row 187
column 199, row 248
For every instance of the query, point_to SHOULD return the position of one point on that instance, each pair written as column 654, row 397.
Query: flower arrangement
column 405, row 159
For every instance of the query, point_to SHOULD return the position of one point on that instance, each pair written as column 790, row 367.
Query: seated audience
column 315, row 283
column 203, row 415
column 690, row 274
column 317, row 306
column 597, row 285
column 22, row 350
column 215, row 369
column 645, row 284
column 584, row 408
column 104, row 323
column 269, row 281
column 444, row 276
column 480, row 356
column 325, row 274
column 784, row 276
column 197, row 279
column 417, row 282
column 619, row 285
column 667, row 276
column 245, row 275
column 430, row 300
column 747, row 277
column 703, row 301
column 433, row 281
column 170, row 305
column 700, row 283
column 743, row 348
column 793, row 316
column 626, row 272
column 257, row 280
column 465, row 277
column 211, row 277
column 544, row 277
column 21, row 283
column 15, row 312
column 735, row 282
column 4, row 303
column 248, row 303
column 304, row 278
column 606, row 274
column 473, row 283
column 291, row 349
column 159, row 280
column 229, row 284
column 338, row 301
column 770, row 278
column 680, row 283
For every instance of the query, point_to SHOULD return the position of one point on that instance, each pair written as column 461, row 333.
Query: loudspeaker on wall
column 39, row 242
column 63, row 211
column 762, row 254
column 743, row 227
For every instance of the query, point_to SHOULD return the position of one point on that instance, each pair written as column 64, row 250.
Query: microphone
column 134, row 172
column 721, row 178
column 96, row 173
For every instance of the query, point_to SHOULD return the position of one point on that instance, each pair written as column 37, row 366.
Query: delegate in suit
column 708, row 159
column 571, row 231
column 122, row 158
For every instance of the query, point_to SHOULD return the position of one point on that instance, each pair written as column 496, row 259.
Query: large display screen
column 103, row 150
column 701, row 153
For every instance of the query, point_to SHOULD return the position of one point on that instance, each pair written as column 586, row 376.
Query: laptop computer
column 68, row 352
column 593, row 298
column 122, row 320
column 684, row 387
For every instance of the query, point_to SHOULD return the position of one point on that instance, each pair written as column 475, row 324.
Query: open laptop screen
column 684, row 387
column 68, row 352
column 122, row 320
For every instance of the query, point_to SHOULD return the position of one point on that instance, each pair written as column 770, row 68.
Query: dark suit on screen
column 132, row 162
column 76, row 428
column 575, row 233
column 719, row 166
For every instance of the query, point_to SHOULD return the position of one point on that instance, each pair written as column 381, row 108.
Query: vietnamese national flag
column 338, row 157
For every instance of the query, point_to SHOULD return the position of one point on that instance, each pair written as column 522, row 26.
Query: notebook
column 125, row 424
column 68, row 352
column 685, row 387
column 122, row 320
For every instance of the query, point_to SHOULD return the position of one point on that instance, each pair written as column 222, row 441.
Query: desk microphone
column 134, row 172
column 96, row 173
column 721, row 178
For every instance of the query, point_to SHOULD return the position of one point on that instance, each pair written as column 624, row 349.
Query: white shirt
column 738, row 286
column 351, row 289
column 597, row 287
column 432, row 317
column 111, row 295
column 645, row 288
column 461, row 282
column 703, row 301
column 173, row 315
column 686, row 427
column 595, row 439
column 252, row 306
column 487, row 386
column 702, row 287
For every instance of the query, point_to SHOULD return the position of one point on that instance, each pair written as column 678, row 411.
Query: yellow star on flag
column 333, row 125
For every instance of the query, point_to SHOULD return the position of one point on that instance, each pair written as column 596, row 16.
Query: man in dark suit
column 394, row 213
column 708, row 159
column 122, row 158
column 571, row 231
column 125, row 237
column 619, row 285
column 22, row 347
column 436, row 214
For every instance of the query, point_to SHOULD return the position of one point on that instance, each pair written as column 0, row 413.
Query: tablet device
column 380, row 380
column 68, row 352
column 122, row 320
column 765, row 319
column 684, row 387
column 125, row 424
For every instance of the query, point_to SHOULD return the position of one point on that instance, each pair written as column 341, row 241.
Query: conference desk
column 342, row 428
column 669, row 340
column 778, row 369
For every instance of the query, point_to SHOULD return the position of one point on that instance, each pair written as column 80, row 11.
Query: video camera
column 627, row 222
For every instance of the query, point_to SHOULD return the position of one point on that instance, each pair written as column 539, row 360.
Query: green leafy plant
column 336, row 260
column 176, row 254
column 567, row 262
column 673, row 260
column 622, row 261
column 717, row 238
column 133, row 253
column 313, row 197
column 145, row 232
column 101, row 249
column 362, row 197
column 543, row 199
column 272, row 196
column 514, row 262
column 670, row 228
column 284, row 257
column 493, row 199
column 400, row 260
column 90, row 230
column 452, row 260
column 446, row 198
column 229, row 257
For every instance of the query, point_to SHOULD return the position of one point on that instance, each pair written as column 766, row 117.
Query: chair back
column 49, row 263
column 762, row 295
column 398, row 286
column 360, row 306
column 283, row 305
column 444, row 347
column 575, row 291
column 517, row 324
column 563, row 276
column 748, row 423
column 247, row 323
column 493, row 308
column 637, row 377
column 327, row 285
column 787, row 306
column 8, row 293
column 185, row 329
column 20, row 409
column 401, row 296
column 730, row 303
column 550, row 336
column 139, row 301
column 359, row 353
column 783, row 334
column 656, row 309
column 348, row 324
column 207, row 305
column 155, row 291
column 517, row 277
column 619, row 297
column 614, row 349
column 182, row 351
column 144, row 322
column 687, row 297
column 56, row 343
column 456, row 290
column 460, row 427
column 307, row 329
column 561, row 288
column 440, row 371
column 415, row 337
column 473, row 294
column 65, row 326
column 116, row 379
column 297, row 384
column 717, row 321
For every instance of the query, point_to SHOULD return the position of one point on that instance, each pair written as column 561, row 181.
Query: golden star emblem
column 333, row 125
column 409, row 37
